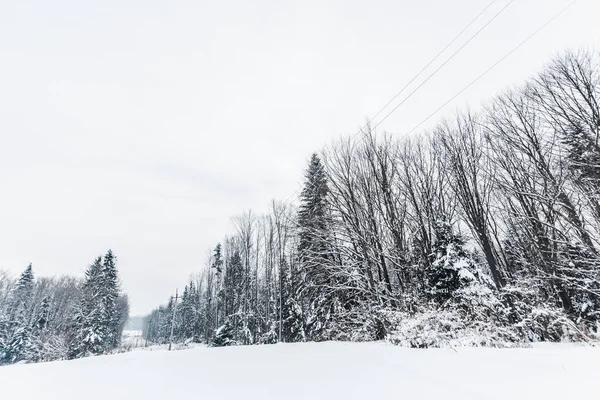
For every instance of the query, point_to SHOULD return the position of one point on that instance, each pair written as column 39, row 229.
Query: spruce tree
column 314, row 249
column 109, row 292
column 234, row 290
column 91, row 330
column 21, row 295
column 4, row 338
column 442, row 273
column 313, row 213
column 186, row 312
column 454, row 275
column 18, row 342
column 224, row 336
column 291, row 310
column 217, row 259
column 21, row 346
column 43, row 315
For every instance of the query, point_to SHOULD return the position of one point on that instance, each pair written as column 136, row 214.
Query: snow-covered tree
column 224, row 336
column 315, row 250
column 21, row 295
column 450, row 268
column 19, row 342
column 99, row 318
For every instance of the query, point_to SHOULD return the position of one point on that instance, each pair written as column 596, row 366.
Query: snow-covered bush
column 537, row 320
column 224, row 336
column 269, row 337
column 548, row 324
column 444, row 328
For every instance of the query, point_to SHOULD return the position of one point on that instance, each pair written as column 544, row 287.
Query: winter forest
column 62, row 318
column 483, row 231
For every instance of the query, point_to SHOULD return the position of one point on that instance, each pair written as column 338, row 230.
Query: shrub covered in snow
column 449, row 328
column 224, row 336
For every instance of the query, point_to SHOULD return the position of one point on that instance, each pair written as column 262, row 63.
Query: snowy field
column 315, row 371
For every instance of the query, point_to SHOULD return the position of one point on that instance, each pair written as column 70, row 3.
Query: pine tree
column 451, row 268
column 291, row 310
column 224, row 336
column 454, row 276
column 91, row 330
column 314, row 249
column 39, row 327
column 313, row 213
column 109, row 292
column 443, row 272
column 21, row 295
column 18, row 342
column 218, row 259
column 43, row 315
column 4, row 337
column 195, row 322
column 234, row 291
column 187, row 312
column 21, row 346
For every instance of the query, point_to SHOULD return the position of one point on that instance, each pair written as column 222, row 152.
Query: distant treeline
column 61, row 318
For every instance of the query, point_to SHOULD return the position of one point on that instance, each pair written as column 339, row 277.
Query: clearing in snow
column 329, row 370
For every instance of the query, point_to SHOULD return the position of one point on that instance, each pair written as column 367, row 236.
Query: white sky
column 143, row 126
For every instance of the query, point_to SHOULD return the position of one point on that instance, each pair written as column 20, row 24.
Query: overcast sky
column 143, row 126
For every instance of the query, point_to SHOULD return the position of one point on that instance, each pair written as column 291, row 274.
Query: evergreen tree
column 313, row 214
column 187, row 312
column 234, row 290
column 21, row 296
column 43, row 315
column 218, row 259
column 21, row 346
column 455, row 280
column 314, row 250
column 291, row 310
column 443, row 273
column 91, row 332
column 4, row 338
column 18, row 341
column 109, row 292
column 224, row 336
column 99, row 323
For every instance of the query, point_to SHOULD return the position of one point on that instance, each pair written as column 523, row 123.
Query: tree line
column 483, row 230
column 62, row 318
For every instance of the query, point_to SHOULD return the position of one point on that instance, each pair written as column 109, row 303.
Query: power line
column 445, row 62
column 429, row 63
column 423, row 69
column 548, row 22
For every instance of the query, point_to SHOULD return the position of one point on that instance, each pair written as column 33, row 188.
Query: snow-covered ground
column 315, row 371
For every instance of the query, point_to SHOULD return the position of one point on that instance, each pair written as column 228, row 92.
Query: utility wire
column 548, row 22
column 428, row 64
column 423, row 69
column 445, row 62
